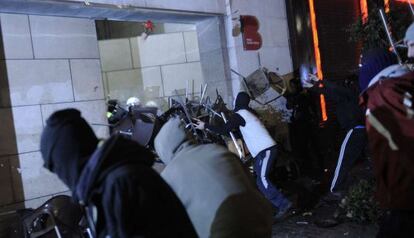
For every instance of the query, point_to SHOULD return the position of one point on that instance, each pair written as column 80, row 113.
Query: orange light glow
column 387, row 6
column 319, row 72
column 364, row 10
column 323, row 107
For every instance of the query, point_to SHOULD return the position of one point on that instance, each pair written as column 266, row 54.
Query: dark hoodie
column 117, row 179
column 66, row 144
column 235, row 121
column 242, row 101
column 348, row 112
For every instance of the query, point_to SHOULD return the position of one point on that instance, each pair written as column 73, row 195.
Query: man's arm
column 234, row 123
column 331, row 90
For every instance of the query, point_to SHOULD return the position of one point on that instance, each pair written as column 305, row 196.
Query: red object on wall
column 252, row 40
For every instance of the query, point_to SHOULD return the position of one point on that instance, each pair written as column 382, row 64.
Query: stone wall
column 151, row 68
column 47, row 64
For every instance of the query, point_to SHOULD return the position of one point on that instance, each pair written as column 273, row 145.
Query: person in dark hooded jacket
column 261, row 146
column 350, row 118
column 122, row 194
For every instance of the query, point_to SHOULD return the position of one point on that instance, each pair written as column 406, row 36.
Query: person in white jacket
column 261, row 146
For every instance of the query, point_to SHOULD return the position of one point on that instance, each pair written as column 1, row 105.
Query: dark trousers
column 396, row 224
column 263, row 165
column 352, row 148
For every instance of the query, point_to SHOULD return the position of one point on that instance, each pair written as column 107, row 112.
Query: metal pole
column 184, row 106
column 233, row 138
column 186, row 90
column 384, row 22
column 411, row 8
column 203, row 94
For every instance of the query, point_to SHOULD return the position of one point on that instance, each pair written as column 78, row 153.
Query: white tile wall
column 39, row 81
column 115, row 54
column 191, row 46
column 213, row 66
column 276, row 57
column 158, row 50
column 176, row 77
column 209, row 37
column 94, row 112
column 28, row 126
column 124, row 84
column 87, row 79
column 274, row 32
column 248, row 61
column 276, row 8
column 151, row 79
column 63, row 37
column 37, row 181
column 16, row 36
column 66, row 68
column 173, row 27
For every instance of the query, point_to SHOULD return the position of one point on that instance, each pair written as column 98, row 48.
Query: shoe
column 283, row 212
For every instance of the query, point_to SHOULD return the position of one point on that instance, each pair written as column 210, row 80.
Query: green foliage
column 359, row 204
column 372, row 33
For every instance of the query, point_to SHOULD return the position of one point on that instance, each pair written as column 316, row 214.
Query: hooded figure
column 242, row 102
column 211, row 183
column 123, row 195
column 377, row 64
column 261, row 146
column 350, row 117
column 390, row 129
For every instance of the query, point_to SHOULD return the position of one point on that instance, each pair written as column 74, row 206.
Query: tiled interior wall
column 47, row 64
column 151, row 68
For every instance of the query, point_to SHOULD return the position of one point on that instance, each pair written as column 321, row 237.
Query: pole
column 239, row 151
column 384, row 22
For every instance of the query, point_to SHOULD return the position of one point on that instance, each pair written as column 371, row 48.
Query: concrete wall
column 47, row 64
column 275, row 52
column 151, row 68
column 222, row 50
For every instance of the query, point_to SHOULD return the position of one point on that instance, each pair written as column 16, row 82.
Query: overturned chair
column 57, row 217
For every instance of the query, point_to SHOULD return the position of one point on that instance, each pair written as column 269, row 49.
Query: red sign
column 252, row 40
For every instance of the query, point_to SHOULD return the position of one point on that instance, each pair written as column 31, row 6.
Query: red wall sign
column 252, row 40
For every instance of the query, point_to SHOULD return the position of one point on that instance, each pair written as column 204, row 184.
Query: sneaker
column 284, row 212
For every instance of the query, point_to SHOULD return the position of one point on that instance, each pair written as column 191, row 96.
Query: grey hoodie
column 217, row 193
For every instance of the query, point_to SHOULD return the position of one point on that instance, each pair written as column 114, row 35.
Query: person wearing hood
column 390, row 128
column 217, row 192
column 261, row 146
column 122, row 195
column 350, row 118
